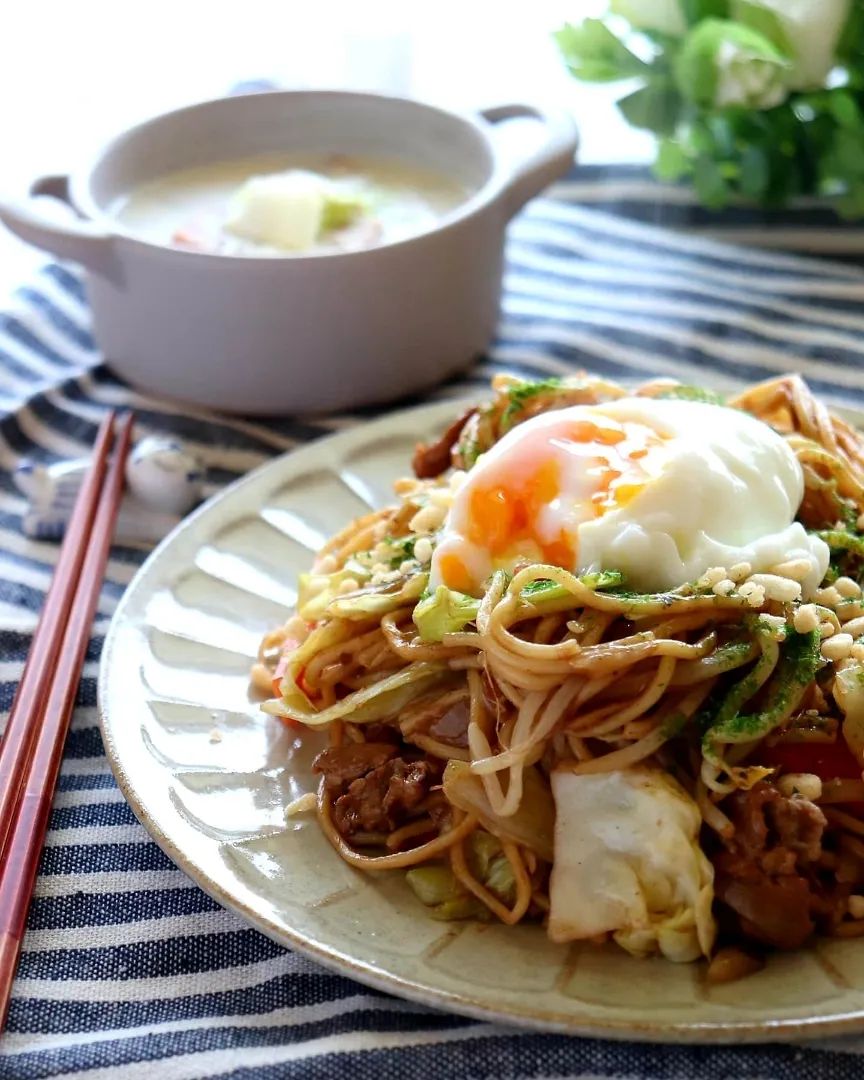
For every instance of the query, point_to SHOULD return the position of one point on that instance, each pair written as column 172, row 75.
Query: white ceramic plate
column 209, row 776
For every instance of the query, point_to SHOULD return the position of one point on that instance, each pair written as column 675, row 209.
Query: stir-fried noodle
column 441, row 751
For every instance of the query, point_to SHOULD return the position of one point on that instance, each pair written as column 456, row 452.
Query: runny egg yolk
column 526, row 502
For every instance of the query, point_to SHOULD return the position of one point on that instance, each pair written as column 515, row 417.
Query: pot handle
column 552, row 158
column 67, row 237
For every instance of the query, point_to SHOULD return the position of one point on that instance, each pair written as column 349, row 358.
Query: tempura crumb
column 837, row 647
column 806, row 619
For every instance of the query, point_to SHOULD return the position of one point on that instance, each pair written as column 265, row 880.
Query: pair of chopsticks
column 32, row 746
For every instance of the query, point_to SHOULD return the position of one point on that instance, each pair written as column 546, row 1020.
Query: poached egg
column 660, row 490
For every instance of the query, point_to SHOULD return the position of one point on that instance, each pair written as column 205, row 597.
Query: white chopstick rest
column 164, row 481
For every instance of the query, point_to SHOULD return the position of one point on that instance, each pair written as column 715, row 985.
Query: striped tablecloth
column 129, row 971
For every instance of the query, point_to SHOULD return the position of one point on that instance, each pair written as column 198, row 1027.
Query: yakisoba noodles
column 602, row 666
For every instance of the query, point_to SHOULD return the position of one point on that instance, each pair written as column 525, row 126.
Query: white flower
column 724, row 64
column 746, row 80
column 664, row 16
column 812, row 29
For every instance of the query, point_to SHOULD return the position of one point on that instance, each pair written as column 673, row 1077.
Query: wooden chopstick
column 17, row 743
column 21, row 860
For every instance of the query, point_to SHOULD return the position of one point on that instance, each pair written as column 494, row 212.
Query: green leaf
column 710, row 186
column 594, row 54
column 722, row 131
column 755, row 173
column 667, row 49
column 702, row 139
column 844, row 109
column 851, row 205
column 850, row 47
column 672, row 162
column 662, row 17
column 848, row 153
column 656, row 107
column 765, row 21
column 697, row 10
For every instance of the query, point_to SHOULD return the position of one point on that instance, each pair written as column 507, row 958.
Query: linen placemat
column 130, row 971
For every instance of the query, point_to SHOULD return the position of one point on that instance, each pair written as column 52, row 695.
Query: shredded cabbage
column 320, row 596
column 383, row 700
column 533, row 824
column 434, row 884
column 323, row 637
column 542, row 589
column 316, row 592
column 795, row 670
column 377, row 600
column 444, row 612
column 437, row 887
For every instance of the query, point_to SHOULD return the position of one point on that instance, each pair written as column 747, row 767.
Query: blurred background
column 72, row 74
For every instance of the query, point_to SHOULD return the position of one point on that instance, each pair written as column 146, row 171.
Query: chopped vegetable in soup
column 289, row 205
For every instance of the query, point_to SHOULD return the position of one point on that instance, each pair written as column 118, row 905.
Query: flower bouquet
column 760, row 100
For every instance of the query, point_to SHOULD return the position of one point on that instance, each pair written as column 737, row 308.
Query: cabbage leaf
column 628, row 862
column 533, row 824
column 383, row 700
column 444, row 612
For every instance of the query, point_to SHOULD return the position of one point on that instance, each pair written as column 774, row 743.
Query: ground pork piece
column 409, row 785
column 764, row 872
column 381, row 800
column 765, row 820
column 340, row 765
column 799, row 825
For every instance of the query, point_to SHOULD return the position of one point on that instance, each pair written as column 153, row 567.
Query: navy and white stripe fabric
column 809, row 225
column 129, row 971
